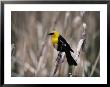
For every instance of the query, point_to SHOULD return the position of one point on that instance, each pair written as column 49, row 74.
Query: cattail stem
column 95, row 64
column 70, row 69
column 59, row 60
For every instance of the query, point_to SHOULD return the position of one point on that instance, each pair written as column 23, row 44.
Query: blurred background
column 32, row 54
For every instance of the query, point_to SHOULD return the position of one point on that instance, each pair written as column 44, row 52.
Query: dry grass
column 33, row 54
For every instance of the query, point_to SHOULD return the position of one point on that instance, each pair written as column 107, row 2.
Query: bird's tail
column 70, row 59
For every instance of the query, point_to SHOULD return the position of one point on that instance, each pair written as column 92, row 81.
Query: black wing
column 63, row 45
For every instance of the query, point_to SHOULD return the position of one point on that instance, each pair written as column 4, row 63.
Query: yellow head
column 54, row 37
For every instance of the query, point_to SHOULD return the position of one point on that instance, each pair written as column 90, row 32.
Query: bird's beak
column 50, row 33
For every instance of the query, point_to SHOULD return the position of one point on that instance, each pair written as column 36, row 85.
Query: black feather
column 63, row 46
column 70, row 59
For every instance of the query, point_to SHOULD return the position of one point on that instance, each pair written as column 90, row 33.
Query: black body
column 63, row 46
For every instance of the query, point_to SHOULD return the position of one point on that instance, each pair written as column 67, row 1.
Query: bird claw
column 59, row 60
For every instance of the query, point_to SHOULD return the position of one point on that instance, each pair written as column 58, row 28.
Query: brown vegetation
column 33, row 54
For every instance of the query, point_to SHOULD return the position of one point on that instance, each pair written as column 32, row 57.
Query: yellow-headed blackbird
column 60, row 44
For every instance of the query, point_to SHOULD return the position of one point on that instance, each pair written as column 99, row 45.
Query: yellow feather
column 54, row 38
column 54, row 41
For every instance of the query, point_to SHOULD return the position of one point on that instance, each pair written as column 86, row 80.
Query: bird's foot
column 60, row 60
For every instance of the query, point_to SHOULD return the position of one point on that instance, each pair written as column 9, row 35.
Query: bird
column 61, row 45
